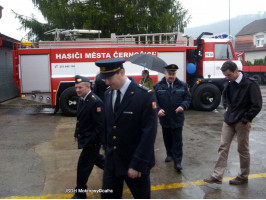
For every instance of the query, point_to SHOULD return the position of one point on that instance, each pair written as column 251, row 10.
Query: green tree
column 110, row 16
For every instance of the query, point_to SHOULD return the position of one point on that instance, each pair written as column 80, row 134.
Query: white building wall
column 251, row 56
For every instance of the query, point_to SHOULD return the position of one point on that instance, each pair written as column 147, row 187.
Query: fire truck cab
column 46, row 72
column 207, row 82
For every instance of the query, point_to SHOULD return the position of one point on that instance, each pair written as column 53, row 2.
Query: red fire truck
column 257, row 72
column 46, row 73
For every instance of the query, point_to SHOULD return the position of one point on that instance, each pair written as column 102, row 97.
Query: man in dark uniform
column 88, row 133
column 99, row 87
column 131, row 126
column 173, row 98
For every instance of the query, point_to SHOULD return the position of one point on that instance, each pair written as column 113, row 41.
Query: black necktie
column 170, row 86
column 117, row 101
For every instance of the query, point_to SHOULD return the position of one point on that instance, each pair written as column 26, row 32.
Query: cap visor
column 105, row 76
column 171, row 71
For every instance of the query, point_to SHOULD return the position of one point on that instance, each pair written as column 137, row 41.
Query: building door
column 8, row 89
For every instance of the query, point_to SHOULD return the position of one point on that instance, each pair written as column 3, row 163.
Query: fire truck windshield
column 223, row 52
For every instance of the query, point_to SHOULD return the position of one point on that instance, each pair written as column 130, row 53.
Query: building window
column 259, row 40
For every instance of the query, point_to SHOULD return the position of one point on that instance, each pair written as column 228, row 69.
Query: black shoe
column 178, row 167
column 79, row 196
column 168, row 159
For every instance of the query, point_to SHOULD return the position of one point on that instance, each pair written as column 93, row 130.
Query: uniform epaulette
column 109, row 91
column 145, row 88
column 93, row 97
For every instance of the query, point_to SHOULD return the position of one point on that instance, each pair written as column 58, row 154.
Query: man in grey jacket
column 242, row 101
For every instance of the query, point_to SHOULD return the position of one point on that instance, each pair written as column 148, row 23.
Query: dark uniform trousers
column 139, row 187
column 173, row 143
column 89, row 157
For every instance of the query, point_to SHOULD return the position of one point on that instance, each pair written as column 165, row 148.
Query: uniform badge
column 154, row 105
column 79, row 80
column 129, row 113
column 132, row 92
column 99, row 109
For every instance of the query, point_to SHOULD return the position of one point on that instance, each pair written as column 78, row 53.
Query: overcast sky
column 202, row 12
column 209, row 11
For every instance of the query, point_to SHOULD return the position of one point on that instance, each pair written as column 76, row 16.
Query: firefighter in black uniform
column 99, row 87
column 173, row 98
column 88, row 133
column 131, row 126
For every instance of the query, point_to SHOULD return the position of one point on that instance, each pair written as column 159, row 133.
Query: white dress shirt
column 123, row 90
column 238, row 80
column 85, row 96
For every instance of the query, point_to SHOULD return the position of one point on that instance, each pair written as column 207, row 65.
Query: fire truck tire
column 206, row 97
column 68, row 101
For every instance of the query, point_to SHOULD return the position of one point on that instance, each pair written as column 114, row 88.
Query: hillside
column 237, row 24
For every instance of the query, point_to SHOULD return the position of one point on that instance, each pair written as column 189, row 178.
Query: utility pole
column 229, row 19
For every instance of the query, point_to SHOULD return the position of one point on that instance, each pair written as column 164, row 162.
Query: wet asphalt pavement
column 38, row 157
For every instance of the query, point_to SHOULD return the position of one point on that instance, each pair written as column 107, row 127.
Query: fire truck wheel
column 68, row 101
column 206, row 97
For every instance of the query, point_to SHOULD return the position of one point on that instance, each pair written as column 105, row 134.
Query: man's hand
column 161, row 113
column 179, row 109
column 131, row 173
column 75, row 140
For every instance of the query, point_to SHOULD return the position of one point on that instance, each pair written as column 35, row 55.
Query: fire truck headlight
column 33, row 96
column 41, row 97
column 48, row 98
